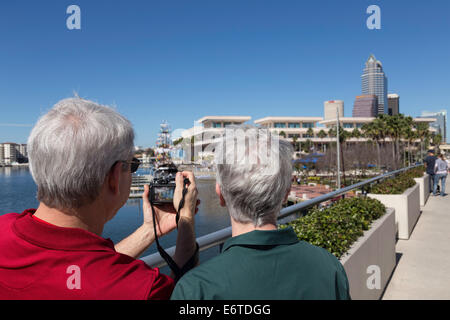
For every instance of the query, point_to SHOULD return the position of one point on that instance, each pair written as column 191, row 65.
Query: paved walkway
column 423, row 269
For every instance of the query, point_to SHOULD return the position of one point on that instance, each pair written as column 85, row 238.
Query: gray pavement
column 423, row 269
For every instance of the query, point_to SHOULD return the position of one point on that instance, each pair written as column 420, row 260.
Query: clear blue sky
column 182, row 60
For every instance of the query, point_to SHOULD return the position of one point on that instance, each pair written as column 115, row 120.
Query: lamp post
column 338, row 149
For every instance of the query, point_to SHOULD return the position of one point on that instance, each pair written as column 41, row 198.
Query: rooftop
column 224, row 118
column 287, row 119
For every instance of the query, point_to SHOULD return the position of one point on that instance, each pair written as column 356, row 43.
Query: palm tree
column 283, row 134
column 407, row 135
column 422, row 134
column 356, row 133
column 437, row 139
column 393, row 129
column 374, row 131
column 295, row 142
column 322, row 134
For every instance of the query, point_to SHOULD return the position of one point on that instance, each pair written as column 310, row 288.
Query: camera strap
column 181, row 204
column 179, row 272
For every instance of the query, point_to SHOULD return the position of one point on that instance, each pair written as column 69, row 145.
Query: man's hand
column 136, row 243
column 165, row 213
column 190, row 199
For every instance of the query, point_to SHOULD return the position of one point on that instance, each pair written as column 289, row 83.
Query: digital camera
column 162, row 187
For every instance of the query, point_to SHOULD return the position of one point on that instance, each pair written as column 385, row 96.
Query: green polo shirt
column 266, row 265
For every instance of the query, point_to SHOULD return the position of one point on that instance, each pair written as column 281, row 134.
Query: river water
column 18, row 192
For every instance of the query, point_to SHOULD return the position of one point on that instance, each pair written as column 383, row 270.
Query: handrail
column 219, row 237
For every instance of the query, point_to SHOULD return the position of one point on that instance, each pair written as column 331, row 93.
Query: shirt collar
column 60, row 238
column 262, row 238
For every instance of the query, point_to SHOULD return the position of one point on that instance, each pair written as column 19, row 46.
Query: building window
column 307, row 125
column 294, row 125
column 226, row 124
column 293, row 135
column 217, row 125
column 279, row 125
column 359, row 125
column 348, row 125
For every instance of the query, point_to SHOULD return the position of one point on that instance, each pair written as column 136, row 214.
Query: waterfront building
column 10, row 152
column 299, row 129
column 292, row 126
column 374, row 81
column 329, row 109
column 205, row 134
column 22, row 152
column 365, row 106
column 393, row 104
column 440, row 123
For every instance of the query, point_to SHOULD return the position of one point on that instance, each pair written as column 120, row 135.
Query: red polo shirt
column 42, row 261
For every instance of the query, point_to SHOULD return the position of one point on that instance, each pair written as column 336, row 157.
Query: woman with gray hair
column 260, row 261
column 81, row 158
column 441, row 171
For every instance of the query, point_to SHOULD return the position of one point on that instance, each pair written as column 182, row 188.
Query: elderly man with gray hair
column 81, row 158
column 259, row 261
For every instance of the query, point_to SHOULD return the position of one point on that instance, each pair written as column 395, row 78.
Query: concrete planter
column 374, row 252
column 407, row 209
column 424, row 187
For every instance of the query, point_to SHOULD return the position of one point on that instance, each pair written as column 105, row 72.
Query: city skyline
column 181, row 61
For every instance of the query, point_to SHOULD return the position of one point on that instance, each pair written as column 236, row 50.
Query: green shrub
column 396, row 185
column 336, row 228
column 416, row 172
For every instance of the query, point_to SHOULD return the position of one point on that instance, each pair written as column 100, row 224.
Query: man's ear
column 113, row 178
column 219, row 193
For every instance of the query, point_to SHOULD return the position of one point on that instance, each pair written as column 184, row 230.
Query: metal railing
column 286, row 214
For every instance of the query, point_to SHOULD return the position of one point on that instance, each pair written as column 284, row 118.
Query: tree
column 422, row 134
column 295, row 143
column 178, row 141
column 283, row 134
column 322, row 134
column 437, row 139
column 356, row 133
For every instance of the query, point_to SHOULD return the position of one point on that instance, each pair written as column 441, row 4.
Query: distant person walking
column 429, row 162
column 441, row 169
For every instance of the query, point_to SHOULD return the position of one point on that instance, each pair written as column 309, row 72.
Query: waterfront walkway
column 423, row 269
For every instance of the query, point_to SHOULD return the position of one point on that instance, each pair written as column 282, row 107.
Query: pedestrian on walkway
column 441, row 169
column 429, row 163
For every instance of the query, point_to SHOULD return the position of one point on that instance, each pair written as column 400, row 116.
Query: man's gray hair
column 254, row 171
column 72, row 148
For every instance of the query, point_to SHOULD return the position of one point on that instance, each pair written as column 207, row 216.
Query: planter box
column 375, row 248
column 407, row 209
column 424, row 187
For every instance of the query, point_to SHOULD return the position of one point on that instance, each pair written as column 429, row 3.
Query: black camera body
column 162, row 187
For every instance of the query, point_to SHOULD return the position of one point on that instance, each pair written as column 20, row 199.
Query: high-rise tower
column 374, row 81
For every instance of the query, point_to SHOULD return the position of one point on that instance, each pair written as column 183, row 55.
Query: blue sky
column 181, row 60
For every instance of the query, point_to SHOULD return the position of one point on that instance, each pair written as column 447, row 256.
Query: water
column 18, row 192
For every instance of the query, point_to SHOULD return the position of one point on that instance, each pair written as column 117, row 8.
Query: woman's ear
column 219, row 193
column 287, row 195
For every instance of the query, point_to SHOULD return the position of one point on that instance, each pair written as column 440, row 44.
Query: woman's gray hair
column 72, row 148
column 254, row 172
